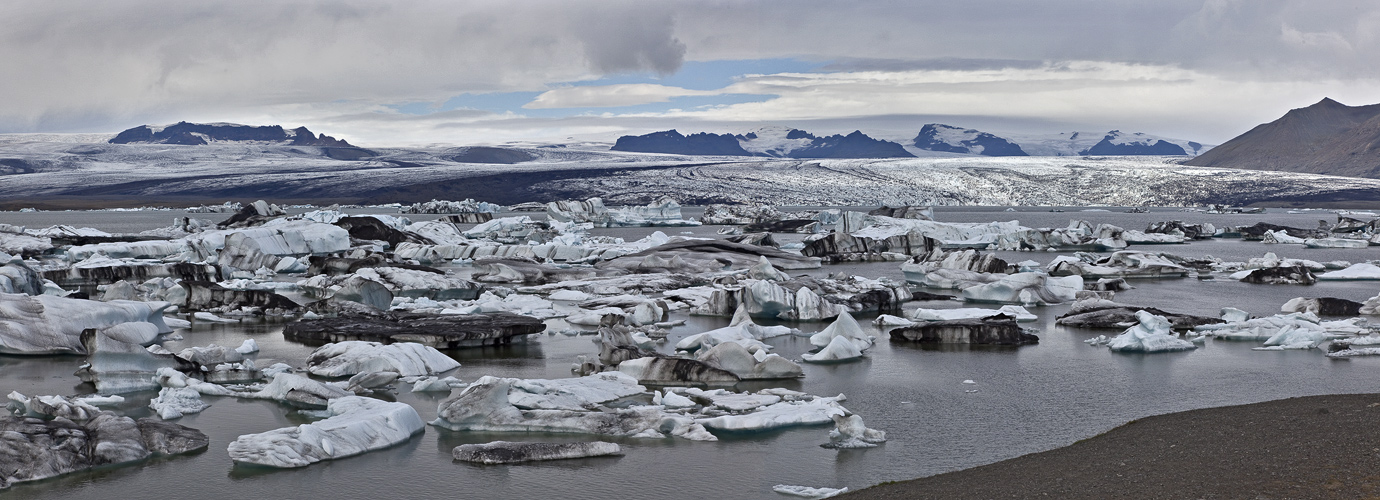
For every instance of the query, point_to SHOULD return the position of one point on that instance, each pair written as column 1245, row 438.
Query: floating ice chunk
column 843, row 326
column 174, row 402
column 1362, row 271
column 735, row 358
column 505, row 452
column 211, row 318
column 807, row 492
column 839, row 349
column 176, row 323
column 818, row 410
column 850, row 433
column 969, row 382
column 1026, row 289
column 351, row 357
column 1234, row 315
column 436, row 384
column 1018, row 312
column 736, row 402
column 247, row 347
column 48, row 407
column 47, row 324
column 887, row 320
column 1153, row 334
column 356, row 425
column 670, row 399
column 100, row 400
column 1336, row 243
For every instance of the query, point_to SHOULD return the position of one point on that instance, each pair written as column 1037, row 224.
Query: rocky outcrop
column 1325, row 138
column 673, row 142
column 441, row 332
column 992, row 330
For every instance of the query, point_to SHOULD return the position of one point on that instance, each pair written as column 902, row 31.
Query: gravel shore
column 1297, row 448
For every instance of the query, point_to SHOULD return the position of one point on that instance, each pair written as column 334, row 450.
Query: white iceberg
column 351, row 357
column 356, row 425
column 1153, row 334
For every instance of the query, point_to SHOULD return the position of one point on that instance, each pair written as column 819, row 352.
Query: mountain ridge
column 1327, row 137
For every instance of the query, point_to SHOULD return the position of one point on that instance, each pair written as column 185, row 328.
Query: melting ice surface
column 1032, row 398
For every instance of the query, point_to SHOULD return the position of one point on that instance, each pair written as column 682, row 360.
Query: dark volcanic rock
column 854, row 145
column 993, row 330
column 33, row 449
column 972, row 142
column 1283, row 275
column 673, row 142
column 207, row 295
column 1121, row 317
column 441, row 332
column 196, row 134
column 505, row 452
column 1325, row 138
column 1326, row 306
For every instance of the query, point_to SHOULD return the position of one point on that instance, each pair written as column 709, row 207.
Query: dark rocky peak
column 799, row 134
column 194, row 134
column 672, row 142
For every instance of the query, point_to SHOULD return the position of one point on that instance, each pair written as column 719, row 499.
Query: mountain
column 950, row 139
column 1326, row 138
column 776, row 142
column 673, row 142
column 196, row 134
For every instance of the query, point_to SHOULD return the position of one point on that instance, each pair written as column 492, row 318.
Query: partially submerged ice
column 1152, row 334
column 508, row 452
column 54, row 436
column 46, row 324
column 356, row 425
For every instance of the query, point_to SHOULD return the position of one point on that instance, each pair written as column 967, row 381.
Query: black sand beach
column 1297, row 448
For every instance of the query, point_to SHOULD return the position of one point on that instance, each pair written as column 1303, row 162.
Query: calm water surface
column 1029, row 399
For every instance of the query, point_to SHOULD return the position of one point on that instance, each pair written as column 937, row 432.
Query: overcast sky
column 420, row 72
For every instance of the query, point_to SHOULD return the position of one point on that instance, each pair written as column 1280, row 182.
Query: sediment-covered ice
column 506, row 452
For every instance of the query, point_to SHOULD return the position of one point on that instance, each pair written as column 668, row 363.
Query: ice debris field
column 704, row 328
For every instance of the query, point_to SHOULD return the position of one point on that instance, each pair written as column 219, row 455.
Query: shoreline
column 1304, row 447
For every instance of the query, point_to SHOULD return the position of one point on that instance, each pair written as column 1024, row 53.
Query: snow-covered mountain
column 950, row 139
column 776, row 142
column 197, row 134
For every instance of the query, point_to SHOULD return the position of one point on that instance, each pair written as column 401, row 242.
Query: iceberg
column 356, row 425
column 407, row 359
column 1017, row 312
column 807, row 491
column 47, row 324
column 839, row 349
column 1362, row 271
column 1152, row 334
column 1026, row 289
column 847, row 328
column 850, row 433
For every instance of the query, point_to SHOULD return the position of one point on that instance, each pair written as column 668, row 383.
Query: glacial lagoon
column 1025, row 399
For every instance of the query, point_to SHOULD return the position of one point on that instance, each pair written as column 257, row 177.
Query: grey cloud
column 936, row 64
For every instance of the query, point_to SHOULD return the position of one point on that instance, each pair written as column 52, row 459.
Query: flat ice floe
column 356, row 425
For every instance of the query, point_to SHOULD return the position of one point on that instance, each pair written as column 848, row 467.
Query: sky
column 425, row 72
